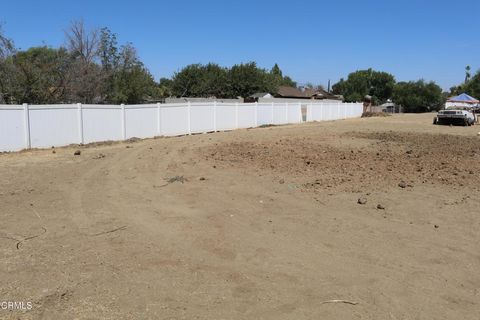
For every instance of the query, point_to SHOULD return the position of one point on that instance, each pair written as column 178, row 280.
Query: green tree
column 109, row 59
column 164, row 87
column 126, row 80
column 132, row 82
column 92, row 69
column 247, row 79
column 472, row 87
column 276, row 71
column 108, row 50
column 468, row 75
column 198, row 80
column 7, row 46
column 277, row 79
column 211, row 80
column 418, row 96
column 7, row 69
column 187, row 82
column 378, row 85
column 41, row 75
column 214, row 81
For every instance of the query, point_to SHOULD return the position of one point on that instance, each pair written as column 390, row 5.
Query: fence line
column 42, row 126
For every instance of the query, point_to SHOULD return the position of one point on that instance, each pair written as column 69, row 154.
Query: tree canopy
column 378, row 85
column 418, row 96
column 212, row 80
column 93, row 67
column 471, row 86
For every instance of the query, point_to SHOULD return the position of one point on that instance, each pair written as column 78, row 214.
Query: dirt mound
column 375, row 114
column 384, row 161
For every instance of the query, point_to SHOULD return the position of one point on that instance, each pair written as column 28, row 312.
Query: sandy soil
column 251, row 224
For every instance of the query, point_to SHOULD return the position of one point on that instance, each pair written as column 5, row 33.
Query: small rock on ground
column 362, row 200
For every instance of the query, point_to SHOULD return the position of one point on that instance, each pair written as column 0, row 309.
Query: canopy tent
column 463, row 100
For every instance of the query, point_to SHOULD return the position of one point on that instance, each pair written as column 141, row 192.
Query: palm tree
column 468, row 75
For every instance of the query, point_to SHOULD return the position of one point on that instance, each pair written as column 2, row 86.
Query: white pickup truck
column 455, row 116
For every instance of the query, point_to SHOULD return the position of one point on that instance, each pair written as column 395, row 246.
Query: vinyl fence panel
column 174, row 119
column 58, row 125
column 102, row 123
column 333, row 111
column 202, row 118
column 227, row 114
column 265, row 113
column 141, row 121
column 280, row 115
column 53, row 125
column 294, row 113
column 247, row 115
column 12, row 128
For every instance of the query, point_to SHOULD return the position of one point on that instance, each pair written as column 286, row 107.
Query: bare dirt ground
column 250, row 224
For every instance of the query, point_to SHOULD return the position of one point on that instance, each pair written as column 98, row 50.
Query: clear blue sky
column 312, row 41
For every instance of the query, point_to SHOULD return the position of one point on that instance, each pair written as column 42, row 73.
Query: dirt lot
column 251, row 224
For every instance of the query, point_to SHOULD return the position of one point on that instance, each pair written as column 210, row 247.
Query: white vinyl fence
column 42, row 126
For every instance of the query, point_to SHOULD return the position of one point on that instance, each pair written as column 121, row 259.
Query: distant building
column 304, row 93
column 292, row 94
column 265, row 95
column 390, row 107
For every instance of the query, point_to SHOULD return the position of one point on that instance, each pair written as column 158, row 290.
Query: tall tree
column 468, row 75
column 472, row 87
column 277, row 79
column 198, row 80
column 378, row 85
column 132, row 82
column 418, row 96
column 211, row 80
column 85, row 75
column 40, row 75
column 7, row 70
column 276, row 71
column 247, row 79
column 7, row 47
column 164, row 87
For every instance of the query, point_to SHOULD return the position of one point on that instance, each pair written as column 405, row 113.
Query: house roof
column 306, row 93
column 259, row 95
column 388, row 104
column 292, row 92
column 463, row 98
